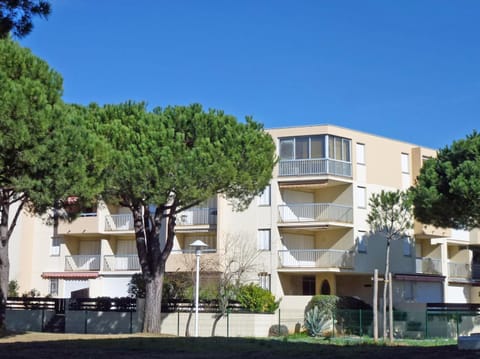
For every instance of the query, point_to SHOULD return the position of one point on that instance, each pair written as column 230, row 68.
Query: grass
column 43, row 345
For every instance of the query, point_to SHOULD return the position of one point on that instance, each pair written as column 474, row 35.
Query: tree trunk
column 385, row 287
column 4, row 271
column 189, row 320
column 215, row 322
column 153, row 302
column 4, row 261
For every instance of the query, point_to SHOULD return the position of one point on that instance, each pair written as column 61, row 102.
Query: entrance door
column 308, row 284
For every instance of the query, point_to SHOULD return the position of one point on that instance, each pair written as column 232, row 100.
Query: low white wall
column 233, row 325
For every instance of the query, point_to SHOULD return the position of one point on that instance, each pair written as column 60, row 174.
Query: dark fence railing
column 22, row 303
column 105, row 304
column 204, row 307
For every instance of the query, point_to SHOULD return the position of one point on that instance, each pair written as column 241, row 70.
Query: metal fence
column 98, row 315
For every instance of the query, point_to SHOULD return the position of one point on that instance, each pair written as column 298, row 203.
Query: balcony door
column 89, row 255
column 126, row 248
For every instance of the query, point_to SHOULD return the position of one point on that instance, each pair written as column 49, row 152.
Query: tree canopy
column 49, row 150
column 447, row 192
column 171, row 159
column 16, row 16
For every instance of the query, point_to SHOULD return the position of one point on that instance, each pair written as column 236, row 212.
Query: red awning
column 70, row 275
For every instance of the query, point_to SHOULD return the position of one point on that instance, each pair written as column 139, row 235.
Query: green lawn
column 41, row 345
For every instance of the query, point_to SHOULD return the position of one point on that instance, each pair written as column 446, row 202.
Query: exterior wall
column 311, row 242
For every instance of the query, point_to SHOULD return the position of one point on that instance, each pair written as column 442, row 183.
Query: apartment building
column 308, row 230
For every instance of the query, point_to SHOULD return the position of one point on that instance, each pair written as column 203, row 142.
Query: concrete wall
column 233, row 325
column 27, row 320
column 101, row 322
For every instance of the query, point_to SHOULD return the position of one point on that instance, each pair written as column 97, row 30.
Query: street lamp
column 198, row 245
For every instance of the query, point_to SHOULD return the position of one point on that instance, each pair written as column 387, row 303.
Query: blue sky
column 403, row 69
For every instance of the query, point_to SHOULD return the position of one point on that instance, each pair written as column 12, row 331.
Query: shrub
column 326, row 303
column 256, row 299
column 136, row 286
column 13, row 288
column 103, row 304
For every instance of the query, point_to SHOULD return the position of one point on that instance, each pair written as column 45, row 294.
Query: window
column 317, row 147
column 286, row 149
column 407, row 247
column 55, row 246
column 264, row 280
column 405, row 163
column 308, row 285
column 425, row 158
column 264, row 198
column 53, row 290
column 314, row 147
column 362, row 242
column 263, row 239
column 302, row 150
column 361, row 197
column 360, row 153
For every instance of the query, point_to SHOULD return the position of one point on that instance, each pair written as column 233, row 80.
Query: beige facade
column 308, row 231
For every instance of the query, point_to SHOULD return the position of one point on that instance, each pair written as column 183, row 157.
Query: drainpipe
column 444, row 256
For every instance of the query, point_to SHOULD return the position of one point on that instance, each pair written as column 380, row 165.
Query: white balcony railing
column 425, row 265
column 459, row 270
column 312, row 167
column 87, row 262
column 124, row 262
column 197, row 216
column 315, row 212
column 119, row 222
column 316, row 258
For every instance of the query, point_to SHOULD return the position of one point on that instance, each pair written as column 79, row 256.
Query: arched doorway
column 325, row 289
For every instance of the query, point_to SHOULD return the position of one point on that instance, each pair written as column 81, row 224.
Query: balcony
column 87, row 262
column 86, row 223
column 314, row 167
column 119, row 222
column 197, row 216
column 126, row 262
column 425, row 265
column 459, row 270
column 316, row 258
column 310, row 213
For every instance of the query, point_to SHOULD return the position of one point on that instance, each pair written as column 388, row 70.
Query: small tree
column 238, row 259
column 390, row 216
column 447, row 191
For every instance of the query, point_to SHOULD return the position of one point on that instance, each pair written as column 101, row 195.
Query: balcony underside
column 313, row 226
column 317, row 260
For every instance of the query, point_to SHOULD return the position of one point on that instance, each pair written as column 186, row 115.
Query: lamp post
column 198, row 245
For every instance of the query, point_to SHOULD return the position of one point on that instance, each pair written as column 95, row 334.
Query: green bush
column 317, row 322
column 176, row 287
column 326, row 303
column 256, row 299
column 13, row 288
column 136, row 286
